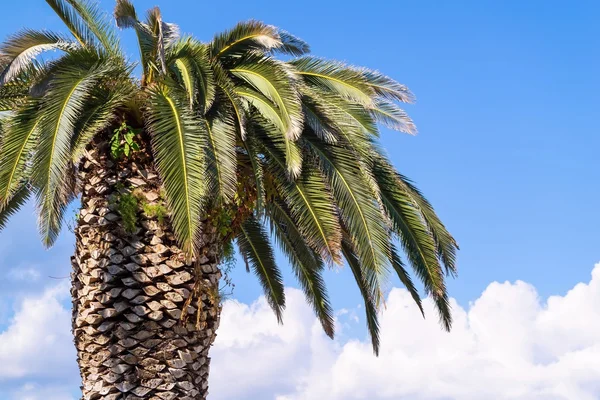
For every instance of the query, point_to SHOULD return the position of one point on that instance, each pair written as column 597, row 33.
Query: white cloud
column 38, row 341
column 507, row 345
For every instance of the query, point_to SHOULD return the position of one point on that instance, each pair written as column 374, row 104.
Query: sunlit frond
column 250, row 36
column 415, row 237
column 257, row 252
column 310, row 204
column 63, row 104
column 307, row 265
column 191, row 62
column 178, row 140
column 393, row 117
column 97, row 23
column 357, row 207
column 367, row 289
column 275, row 81
column 19, row 140
column 21, row 49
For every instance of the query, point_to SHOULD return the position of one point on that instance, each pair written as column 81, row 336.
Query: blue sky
column 508, row 146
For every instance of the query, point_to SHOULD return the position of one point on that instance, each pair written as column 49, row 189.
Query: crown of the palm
column 302, row 134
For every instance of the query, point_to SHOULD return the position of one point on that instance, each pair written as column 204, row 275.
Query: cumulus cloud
column 508, row 344
column 38, row 342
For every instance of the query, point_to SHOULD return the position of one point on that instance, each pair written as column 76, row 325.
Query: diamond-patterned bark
column 129, row 291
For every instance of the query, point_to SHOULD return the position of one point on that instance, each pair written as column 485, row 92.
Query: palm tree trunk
column 129, row 290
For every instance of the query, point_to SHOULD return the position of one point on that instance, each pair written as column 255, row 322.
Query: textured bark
column 129, row 290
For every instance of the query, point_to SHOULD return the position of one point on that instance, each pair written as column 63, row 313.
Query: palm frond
column 97, row 23
column 393, row 117
column 416, row 239
column 19, row 140
column 337, row 78
column 387, row 88
column 222, row 155
column 445, row 243
column 307, row 265
column 73, row 21
column 190, row 59
column 14, row 204
column 250, row 36
column 178, row 141
column 310, row 204
column 367, row 289
column 256, row 250
column 357, row 207
column 126, row 17
column 102, row 112
column 63, row 105
column 20, row 50
column 405, row 278
column 276, row 82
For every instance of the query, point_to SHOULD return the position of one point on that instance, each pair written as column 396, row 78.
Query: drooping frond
column 275, row 81
column 191, row 62
column 404, row 277
column 221, row 158
column 63, row 104
column 13, row 205
column 310, row 204
column 250, row 36
column 177, row 140
column 337, row 78
column 21, row 49
column 445, row 243
column 19, row 140
column 393, row 117
column 367, row 290
column 307, row 265
column 357, row 207
column 254, row 246
column 416, row 239
column 126, row 17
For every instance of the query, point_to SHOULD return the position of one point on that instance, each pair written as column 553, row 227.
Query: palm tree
column 217, row 143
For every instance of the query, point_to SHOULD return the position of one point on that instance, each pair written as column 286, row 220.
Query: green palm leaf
column 221, row 152
column 191, row 61
column 19, row 140
column 63, row 105
column 415, row 238
column 249, row 36
column 363, row 219
column 307, row 265
column 337, row 78
column 178, row 143
column 405, row 278
column 393, row 117
column 21, row 49
column 310, row 204
column 10, row 208
column 367, row 290
column 94, row 19
column 256, row 250
column 275, row 81
column 72, row 20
